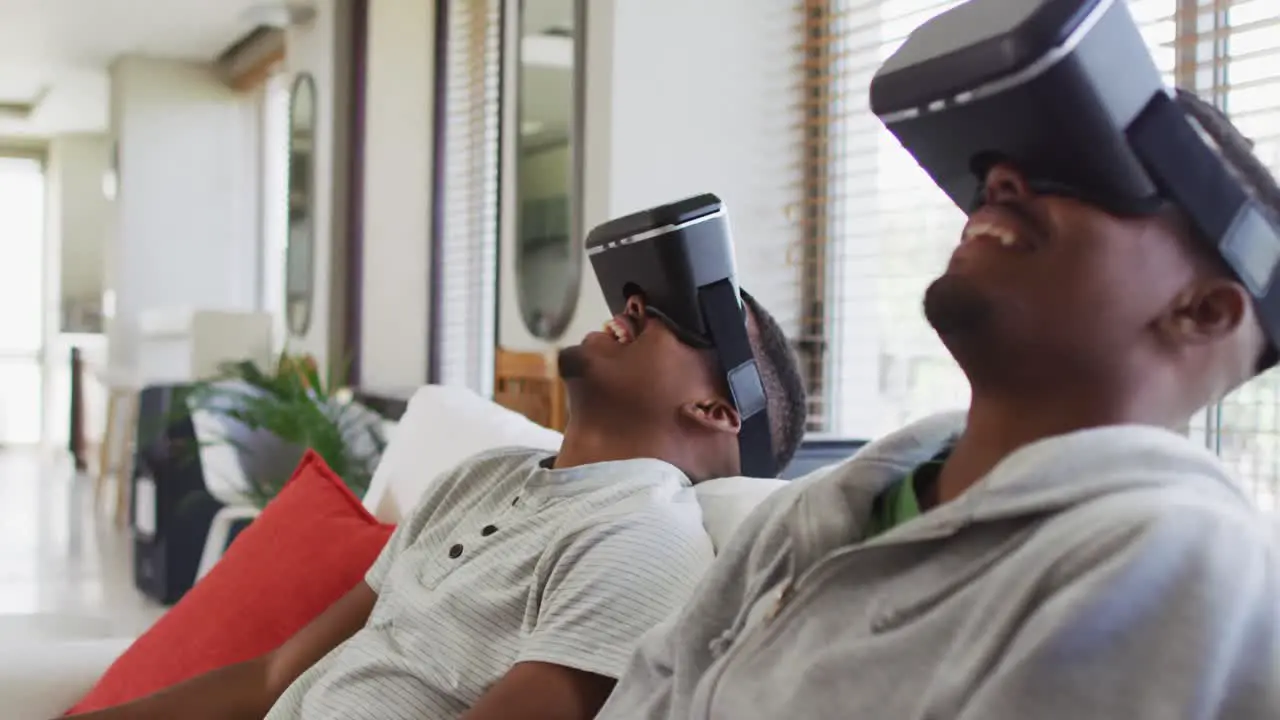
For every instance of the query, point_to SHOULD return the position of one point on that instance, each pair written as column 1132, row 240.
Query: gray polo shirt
column 507, row 561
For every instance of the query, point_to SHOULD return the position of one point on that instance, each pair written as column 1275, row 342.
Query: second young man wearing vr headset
column 1062, row 550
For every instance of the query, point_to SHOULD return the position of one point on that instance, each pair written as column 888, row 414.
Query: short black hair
column 784, row 390
column 1237, row 151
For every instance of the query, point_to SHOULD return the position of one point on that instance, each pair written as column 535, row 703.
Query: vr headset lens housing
column 1122, row 207
column 688, row 337
column 679, row 258
column 1067, row 91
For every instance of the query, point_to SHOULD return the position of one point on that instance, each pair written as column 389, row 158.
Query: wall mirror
column 299, row 282
column 549, row 96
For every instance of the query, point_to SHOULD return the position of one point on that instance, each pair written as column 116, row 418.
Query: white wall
column 322, row 48
column 273, row 99
column 397, row 194
column 723, row 126
column 186, row 215
column 76, row 166
column 721, row 72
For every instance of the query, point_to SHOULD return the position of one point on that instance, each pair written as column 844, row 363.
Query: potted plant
column 272, row 416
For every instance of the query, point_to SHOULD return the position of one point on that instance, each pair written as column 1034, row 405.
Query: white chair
column 41, row 678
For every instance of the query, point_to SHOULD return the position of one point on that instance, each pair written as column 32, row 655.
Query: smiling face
column 1043, row 285
column 639, row 367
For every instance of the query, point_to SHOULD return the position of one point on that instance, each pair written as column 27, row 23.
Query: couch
column 44, row 670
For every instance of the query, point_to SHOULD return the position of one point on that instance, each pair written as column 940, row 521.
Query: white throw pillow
column 726, row 502
column 443, row 426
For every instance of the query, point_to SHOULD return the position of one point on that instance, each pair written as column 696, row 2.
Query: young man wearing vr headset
column 520, row 584
column 1064, row 551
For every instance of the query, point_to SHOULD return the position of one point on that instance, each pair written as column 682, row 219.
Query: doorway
column 22, row 215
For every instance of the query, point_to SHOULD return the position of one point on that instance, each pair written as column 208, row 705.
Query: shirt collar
column 592, row 476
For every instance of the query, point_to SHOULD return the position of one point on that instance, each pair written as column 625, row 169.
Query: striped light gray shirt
column 506, row 561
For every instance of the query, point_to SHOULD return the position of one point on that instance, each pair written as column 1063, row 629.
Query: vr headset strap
column 1193, row 176
column 723, row 313
column 1187, row 171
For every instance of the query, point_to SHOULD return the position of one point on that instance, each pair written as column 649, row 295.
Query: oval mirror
column 548, row 163
column 300, row 253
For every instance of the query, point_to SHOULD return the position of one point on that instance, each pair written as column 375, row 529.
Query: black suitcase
column 170, row 508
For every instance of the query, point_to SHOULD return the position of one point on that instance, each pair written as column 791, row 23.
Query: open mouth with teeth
column 978, row 231
column 622, row 328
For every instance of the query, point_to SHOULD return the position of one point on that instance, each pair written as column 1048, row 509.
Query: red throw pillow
column 307, row 549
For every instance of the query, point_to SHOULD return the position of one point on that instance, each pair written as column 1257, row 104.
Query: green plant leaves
column 298, row 409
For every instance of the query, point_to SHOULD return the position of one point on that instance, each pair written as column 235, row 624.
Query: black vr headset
column 1067, row 91
column 679, row 258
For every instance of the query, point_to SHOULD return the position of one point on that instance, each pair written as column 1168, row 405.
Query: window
column 22, row 246
column 877, row 231
column 890, row 229
column 892, row 232
column 465, row 330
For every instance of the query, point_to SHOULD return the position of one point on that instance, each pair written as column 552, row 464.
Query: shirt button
column 489, row 530
column 455, row 551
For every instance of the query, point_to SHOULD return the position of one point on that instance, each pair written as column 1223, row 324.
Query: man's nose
column 1004, row 184
column 635, row 306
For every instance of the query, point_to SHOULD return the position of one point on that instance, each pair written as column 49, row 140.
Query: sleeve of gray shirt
column 609, row 582
column 1178, row 620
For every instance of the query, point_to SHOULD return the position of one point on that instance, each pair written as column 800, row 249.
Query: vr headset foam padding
column 679, row 257
column 1067, row 91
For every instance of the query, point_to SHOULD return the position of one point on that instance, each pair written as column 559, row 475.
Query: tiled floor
column 59, row 557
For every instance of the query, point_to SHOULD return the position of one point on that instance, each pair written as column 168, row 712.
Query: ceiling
column 62, row 48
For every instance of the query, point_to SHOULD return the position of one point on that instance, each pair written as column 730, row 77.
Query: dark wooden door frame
column 354, row 270
column 435, row 252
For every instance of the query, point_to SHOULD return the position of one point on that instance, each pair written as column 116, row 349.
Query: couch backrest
column 441, row 427
column 444, row 426
column 816, row 453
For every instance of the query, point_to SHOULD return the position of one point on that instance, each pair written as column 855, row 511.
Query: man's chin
column 572, row 362
column 955, row 306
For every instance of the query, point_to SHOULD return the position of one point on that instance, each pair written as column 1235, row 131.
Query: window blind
column 469, row 246
column 876, row 231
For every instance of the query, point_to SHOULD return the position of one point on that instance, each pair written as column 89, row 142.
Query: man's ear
column 714, row 414
column 1205, row 311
